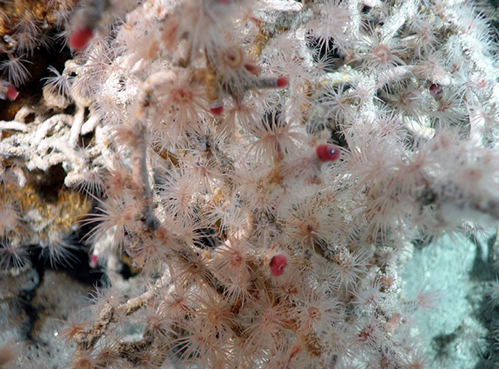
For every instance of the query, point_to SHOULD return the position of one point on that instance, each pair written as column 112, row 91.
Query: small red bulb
column 93, row 261
column 277, row 264
column 328, row 152
column 217, row 109
column 282, row 82
column 12, row 93
column 80, row 38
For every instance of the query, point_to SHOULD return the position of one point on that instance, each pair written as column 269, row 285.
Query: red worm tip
column 12, row 93
column 93, row 260
column 217, row 109
column 277, row 264
column 79, row 38
column 282, row 82
column 328, row 152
